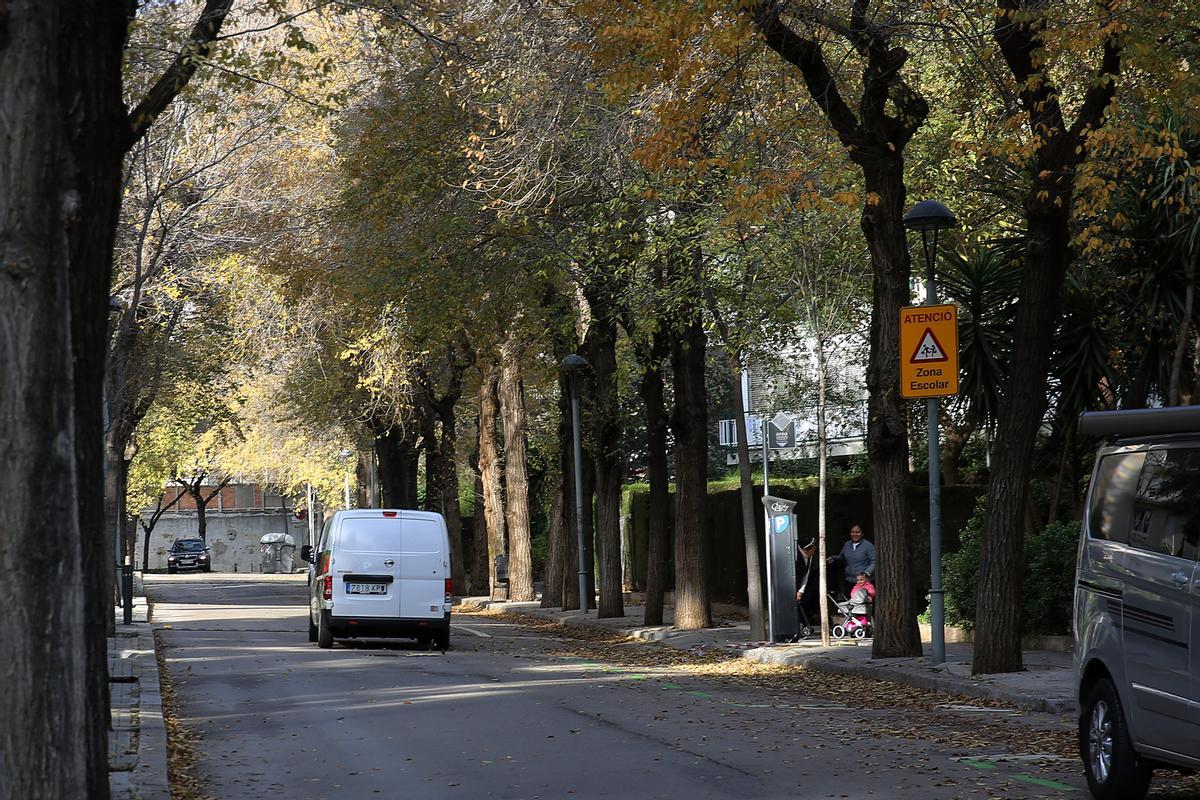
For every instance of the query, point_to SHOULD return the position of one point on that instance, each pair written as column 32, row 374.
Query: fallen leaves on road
column 786, row 685
column 181, row 743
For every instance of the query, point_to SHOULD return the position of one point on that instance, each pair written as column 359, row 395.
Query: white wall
column 233, row 537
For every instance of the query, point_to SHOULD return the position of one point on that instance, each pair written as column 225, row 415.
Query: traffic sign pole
column 937, row 605
column 931, row 372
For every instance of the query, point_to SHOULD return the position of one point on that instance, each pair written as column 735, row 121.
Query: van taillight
column 389, row 513
column 328, row 587
column 449, row 590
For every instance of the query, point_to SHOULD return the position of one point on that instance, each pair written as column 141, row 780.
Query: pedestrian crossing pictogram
column 929, row 350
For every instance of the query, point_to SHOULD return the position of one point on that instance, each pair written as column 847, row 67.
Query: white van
column 1137, row 600
column 380, row 572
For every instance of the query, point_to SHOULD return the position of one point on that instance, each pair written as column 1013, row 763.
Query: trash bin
column 502, row 569
column 278, row 552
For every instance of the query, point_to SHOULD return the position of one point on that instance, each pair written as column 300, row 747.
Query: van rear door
column 423, row 567
column 1159, row 600
column 366, row 566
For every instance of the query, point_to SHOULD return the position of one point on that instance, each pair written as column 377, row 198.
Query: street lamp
column 574, row 365
column 931, row 217
column 345, row 455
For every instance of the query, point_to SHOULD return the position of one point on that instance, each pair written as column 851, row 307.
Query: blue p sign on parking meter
column 781, row 568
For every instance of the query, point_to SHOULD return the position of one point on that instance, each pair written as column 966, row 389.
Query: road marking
column 1044, row 783
column 977, row 764
column 1023, row 757
column 480, row 634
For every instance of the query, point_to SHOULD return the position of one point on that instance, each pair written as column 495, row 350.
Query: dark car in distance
column 188, row 554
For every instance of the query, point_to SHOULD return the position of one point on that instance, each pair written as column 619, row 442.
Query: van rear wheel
column 324, row 631
column 312, row 629
column 1114, row 770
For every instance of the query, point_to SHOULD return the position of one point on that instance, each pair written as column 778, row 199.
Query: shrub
column 1050, row 578
column 960, row 570
column 1048, row 582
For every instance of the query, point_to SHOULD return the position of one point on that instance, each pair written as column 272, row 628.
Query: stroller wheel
column 860, row 633
column 839, row 632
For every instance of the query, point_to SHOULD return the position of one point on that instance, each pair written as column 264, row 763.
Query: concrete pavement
column 1047, row 684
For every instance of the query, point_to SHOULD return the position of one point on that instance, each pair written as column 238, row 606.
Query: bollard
column 127, row 590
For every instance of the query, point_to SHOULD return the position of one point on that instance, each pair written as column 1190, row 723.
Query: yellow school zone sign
column 928, row 351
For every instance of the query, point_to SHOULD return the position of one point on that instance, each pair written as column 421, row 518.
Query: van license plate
column 366, row 588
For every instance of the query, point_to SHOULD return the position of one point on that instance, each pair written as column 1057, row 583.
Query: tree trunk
column 433, row 462
column 758, row 626
column 822, row 491
column 51, row 507
column 448, row 486
column 147, row 529
column 605, row 434
column 516, row 476
column 489, row 468
column 396, row 450
column 690, row 424
column 659, row 479
column 480, row 575
column 201, row 521
column 569, row 580
column 1175, row 392
column 553, row 583
column 998, row 626
column 956, row 438
column 896, row 632
column 1060, row 476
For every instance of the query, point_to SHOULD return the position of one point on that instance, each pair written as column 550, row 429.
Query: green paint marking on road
column 666, row 685
column 637, row 677
column 699, row 693
column 1044, row 783
column 613, row 669
column 977, row 764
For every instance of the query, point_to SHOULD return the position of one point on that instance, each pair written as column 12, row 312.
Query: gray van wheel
column 1114, row 771
column 324, row 631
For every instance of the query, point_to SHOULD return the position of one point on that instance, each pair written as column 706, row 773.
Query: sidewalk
column 1047, row 684
column 137, row 743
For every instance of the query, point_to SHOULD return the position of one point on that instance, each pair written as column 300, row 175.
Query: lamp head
column 574, row 363
column 929, row 215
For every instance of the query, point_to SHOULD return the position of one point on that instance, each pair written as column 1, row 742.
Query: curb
column 150, row 775
column 961, row 687
column 955, row 686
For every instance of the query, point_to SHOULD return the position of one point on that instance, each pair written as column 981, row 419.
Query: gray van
column 1137, row 600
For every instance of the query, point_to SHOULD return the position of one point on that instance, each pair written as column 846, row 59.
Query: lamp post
column 930, row 217
column 345, row 454
column 574, row 365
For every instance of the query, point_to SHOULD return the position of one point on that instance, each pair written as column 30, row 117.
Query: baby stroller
column 856, row 625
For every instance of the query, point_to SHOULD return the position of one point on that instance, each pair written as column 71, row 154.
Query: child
column 862, row 593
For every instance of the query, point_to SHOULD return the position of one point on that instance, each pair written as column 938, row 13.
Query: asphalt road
column 506, row 714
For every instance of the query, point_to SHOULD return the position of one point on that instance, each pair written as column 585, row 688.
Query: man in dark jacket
column 858, row 555
column 806, row 572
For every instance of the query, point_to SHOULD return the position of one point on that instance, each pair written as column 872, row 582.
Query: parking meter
column 781, row 567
